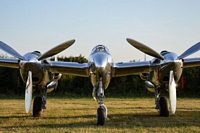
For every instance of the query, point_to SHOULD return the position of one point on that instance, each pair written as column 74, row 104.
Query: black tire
column 164, row 108
column 100, row 117
column 37, row 107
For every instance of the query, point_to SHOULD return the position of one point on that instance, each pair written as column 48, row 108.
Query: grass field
column 79, row 115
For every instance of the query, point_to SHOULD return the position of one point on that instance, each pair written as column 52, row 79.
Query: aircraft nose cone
column 100, row 64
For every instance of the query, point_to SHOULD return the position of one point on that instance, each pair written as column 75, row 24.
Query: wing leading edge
column 9, row 62
column 131, row 68
column 191, row 62
column 70, row 68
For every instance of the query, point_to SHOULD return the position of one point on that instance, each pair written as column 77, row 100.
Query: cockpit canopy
column 163, row 52
column 100, row 48
column 37, row 53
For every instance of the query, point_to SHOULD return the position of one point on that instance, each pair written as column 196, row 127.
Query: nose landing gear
column 102, row 110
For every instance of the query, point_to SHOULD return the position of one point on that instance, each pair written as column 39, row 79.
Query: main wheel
column 100, row 116
column 164, row 108
column 37, row 107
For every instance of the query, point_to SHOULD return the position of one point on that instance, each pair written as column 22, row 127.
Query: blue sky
column 172, row 25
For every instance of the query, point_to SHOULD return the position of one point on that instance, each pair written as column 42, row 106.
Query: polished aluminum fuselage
column 100, row 67
column 160, row 74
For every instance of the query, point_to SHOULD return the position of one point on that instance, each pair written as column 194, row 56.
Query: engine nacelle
column 57, row 76
column 144, row 76
column 150, row 86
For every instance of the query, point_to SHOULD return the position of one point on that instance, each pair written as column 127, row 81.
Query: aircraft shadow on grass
column 128, row 120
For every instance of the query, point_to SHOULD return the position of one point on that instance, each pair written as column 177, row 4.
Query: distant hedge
column 11, row 83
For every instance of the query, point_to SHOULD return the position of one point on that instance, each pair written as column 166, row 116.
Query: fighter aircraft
column 33, row 73
column 101, row 68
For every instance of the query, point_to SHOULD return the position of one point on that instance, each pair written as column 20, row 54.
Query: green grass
column 79, row 115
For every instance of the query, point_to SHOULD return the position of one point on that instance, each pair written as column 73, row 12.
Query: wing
column 69, row 68
column 8, row 62
column 130, row 68
column 191, row 62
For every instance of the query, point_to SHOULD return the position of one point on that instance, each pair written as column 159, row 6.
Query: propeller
column 172, row 92
column 190, row 51
column 28, row 92
column 144, row 48
column 47, row 54
column 10, row 50
column 56, row 49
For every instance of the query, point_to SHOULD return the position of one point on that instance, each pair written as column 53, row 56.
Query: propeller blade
column 28, row 92
column 190, row 51
column 144, row 48
column 10, row 50
column 172, row 92
column 56, row 49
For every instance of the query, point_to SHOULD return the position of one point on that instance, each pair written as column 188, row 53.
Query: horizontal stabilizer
column 10, row 50
column 144, row 48
column 56, row 49
column 190, row 51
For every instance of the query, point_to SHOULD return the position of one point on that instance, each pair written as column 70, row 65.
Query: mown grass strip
column 79, row 115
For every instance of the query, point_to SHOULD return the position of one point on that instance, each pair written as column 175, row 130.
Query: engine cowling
column 144, row 76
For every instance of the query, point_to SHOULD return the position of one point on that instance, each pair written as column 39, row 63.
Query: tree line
column 11, row 83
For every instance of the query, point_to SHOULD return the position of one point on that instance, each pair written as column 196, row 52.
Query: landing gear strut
column 102, row 110
column 44, row 96
column 157, row 95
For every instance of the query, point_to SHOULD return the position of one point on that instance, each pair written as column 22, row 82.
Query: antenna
column 56, row 59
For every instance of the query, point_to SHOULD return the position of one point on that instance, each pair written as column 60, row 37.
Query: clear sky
column 28, row 25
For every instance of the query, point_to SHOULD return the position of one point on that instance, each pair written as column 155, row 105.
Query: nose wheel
column 102, row 110
column 100, row 116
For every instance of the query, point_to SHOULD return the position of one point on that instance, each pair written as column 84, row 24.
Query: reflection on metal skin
column 150, row 86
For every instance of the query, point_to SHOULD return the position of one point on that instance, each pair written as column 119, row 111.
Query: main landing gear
column 37, row 107
column 161, row 103
column 98, row 92
column 39, row 104
column 164, row 108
